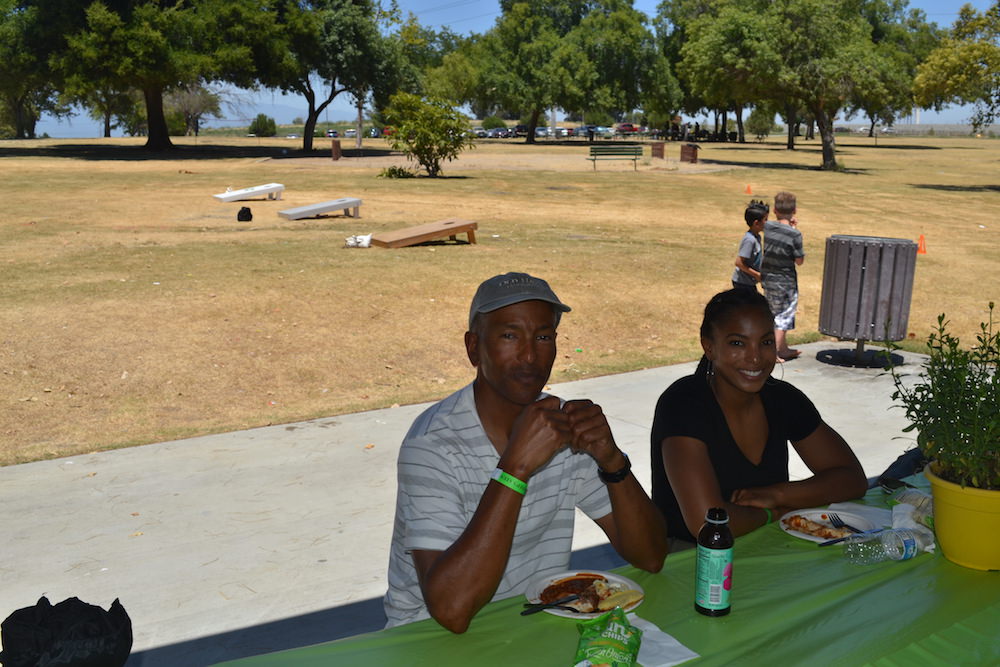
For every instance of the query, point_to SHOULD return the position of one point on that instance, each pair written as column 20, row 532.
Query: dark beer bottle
column 714, row 569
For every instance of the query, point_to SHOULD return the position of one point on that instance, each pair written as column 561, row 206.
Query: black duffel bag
column 69, row 634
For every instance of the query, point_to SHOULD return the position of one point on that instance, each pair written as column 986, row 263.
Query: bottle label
column 714, row 578
column 909, row 547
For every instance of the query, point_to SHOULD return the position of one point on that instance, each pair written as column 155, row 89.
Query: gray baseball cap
column 511, row 288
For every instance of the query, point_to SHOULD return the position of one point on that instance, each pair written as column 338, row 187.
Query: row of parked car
column 558, row 132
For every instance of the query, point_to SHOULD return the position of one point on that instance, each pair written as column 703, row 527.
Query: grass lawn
column 136, row 309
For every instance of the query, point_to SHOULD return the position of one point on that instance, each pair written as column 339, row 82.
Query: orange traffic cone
column 921, row 246
column 748, row 190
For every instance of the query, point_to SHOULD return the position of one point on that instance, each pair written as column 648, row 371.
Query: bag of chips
column 608, row 640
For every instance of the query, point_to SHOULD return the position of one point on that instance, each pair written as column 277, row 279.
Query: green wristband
column 769, row 517
column 510, row 481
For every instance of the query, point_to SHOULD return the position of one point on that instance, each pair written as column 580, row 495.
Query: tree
column 193, row 102
column 324, row 48
column 901, row 40
column 428, row 131
column 761, row 122
column 158, row 47
column 27, row 87
column 263, row 126
column 965, row 68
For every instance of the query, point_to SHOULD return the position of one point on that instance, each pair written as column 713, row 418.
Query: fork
column 837, row 522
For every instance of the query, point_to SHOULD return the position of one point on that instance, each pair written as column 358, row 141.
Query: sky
column 463, row 17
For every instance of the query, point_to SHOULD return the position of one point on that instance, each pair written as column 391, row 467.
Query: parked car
column 626, row 128
column 520, row 130
column 479, row 132
column 498, row 133
column 332, row 133
column 350, row 133
column 388, row 131
column 541, row 132
column 559, row 132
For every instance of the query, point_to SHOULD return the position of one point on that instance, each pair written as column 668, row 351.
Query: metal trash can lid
column 879, row 240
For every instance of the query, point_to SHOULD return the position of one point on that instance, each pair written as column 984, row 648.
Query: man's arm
column 457, row 582
column 635, row 526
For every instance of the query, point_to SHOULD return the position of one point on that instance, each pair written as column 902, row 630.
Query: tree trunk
column 532, row 124
column 739, row 124
column 158, row 138
column 107, row 124
column 361, row 120
column 790, row 127
column 871, row 129
column 725, row 125
column 810, row 132
column 825, row 124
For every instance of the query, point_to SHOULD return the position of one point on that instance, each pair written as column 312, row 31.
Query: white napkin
column 658, row 649
column 879, row 516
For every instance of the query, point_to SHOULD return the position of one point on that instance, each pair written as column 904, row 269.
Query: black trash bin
column 867, row 287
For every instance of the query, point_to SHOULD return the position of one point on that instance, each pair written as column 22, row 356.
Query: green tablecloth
column 793, row 603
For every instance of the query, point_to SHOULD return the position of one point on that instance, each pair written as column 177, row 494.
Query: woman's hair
column 721, row 306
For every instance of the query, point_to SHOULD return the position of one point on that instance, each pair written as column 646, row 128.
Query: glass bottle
column 714, row 569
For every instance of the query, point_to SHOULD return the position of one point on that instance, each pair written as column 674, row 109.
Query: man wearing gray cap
column 489, row 478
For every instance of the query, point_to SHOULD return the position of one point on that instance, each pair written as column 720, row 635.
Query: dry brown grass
column 136, row 309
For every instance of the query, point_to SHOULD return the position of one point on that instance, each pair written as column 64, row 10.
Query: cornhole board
column 422, row 233
column 272, row 190
column 345, row 204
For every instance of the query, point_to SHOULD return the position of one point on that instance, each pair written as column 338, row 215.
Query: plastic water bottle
column 891, row 544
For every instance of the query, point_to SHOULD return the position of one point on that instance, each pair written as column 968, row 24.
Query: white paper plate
column 822, row 516
column 534, row 591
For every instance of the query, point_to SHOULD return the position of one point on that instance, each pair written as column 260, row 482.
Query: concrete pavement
column 243, row 543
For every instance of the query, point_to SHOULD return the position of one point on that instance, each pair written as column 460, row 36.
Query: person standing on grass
column 489, row 478
column 782, row 253
column 748, row 257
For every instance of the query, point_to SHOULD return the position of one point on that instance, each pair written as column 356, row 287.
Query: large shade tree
column 324, row 48
column 965, row 68
column 27, row 87
column 157, row 46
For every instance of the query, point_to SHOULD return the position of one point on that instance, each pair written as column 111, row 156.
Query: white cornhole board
column 344, row 204
column 272, row 190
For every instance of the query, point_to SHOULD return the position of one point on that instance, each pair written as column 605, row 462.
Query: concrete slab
column 243, row 543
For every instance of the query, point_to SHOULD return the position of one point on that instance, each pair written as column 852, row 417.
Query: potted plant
column 954, row 406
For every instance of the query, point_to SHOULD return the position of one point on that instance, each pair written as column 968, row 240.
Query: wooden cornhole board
column 344, row 204
column 272, row 190
column 422, row 233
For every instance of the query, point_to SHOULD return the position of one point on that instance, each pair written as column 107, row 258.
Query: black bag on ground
column 69, row 634
column 244, row 215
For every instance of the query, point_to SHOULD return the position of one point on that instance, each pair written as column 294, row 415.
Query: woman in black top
column 719, row 437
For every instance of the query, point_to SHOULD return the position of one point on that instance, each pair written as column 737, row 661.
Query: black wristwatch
column 618, row 475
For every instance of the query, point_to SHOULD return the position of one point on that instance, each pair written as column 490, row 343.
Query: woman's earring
column 711, row 369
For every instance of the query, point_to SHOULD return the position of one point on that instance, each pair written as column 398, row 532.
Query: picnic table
column 616, row 152
column 793, row 603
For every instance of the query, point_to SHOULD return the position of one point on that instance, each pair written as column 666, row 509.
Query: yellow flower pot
column 966, row 523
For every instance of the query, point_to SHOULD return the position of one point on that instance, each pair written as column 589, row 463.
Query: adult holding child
column 489, row 477
column 720, row 437
column 782, row 253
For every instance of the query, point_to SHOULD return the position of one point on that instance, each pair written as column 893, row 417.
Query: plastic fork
column 837, row 522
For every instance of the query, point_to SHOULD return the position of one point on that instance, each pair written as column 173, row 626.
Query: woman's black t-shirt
column 689, row 408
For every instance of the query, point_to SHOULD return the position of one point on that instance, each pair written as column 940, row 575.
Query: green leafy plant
column 395, row 171
column 263, row 126
column 955, row 406
column 429, row 132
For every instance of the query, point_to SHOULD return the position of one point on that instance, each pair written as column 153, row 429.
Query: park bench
column 629, row 152
column 272, row 190
column 344, row 204
column 407, row 236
